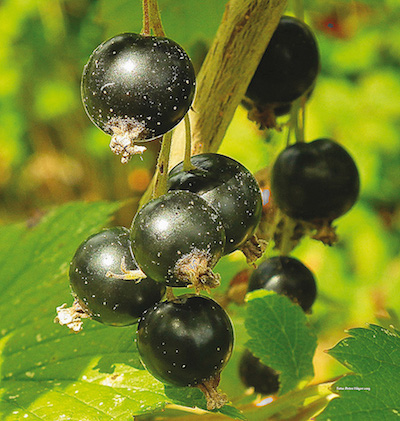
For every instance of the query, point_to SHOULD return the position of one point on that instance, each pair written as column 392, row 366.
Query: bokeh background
column 50, row 153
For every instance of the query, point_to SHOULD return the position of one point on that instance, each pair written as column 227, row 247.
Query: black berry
column 253, row 373
column 137, row 88
column 227, row 186
column 178, row 238
column 287, row 276
column 186, row 342
column 108, row 299
column 289, row 66
column 315, row 181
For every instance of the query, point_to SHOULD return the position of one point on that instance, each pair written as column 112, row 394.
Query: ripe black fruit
column 137, row 88
column 287, row 276
column 229, row 187
column 315, row 181
column 108, row 299
column 186, row 341
column 253, row 373
column 289, row 66
column 178, row 238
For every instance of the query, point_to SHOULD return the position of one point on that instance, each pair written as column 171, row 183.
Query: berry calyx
column 137, row 88
column 178, row 238
column 100, row 293
column 287, row 276
column 187, row 342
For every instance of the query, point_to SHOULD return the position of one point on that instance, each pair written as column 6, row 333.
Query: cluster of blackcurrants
column 136, row 88
column 312, row 183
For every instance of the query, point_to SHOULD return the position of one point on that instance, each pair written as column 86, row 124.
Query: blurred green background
column 50, row 153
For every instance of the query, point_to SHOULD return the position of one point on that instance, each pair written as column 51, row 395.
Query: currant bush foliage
column 280, row 337
column 372, row 391
column 47, row 371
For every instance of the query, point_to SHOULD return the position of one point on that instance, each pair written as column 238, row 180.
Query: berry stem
column 155, row 19
column 161, row 177
column 170, row 294
column 296, row 124
column 286, row 245
column 146, row 18
column 297, row 115
column 299, row 128
column 187, row 165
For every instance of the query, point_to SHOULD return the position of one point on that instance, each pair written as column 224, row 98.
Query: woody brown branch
column 244, row 33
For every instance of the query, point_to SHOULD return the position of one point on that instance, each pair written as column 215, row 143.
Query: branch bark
column 244, row 33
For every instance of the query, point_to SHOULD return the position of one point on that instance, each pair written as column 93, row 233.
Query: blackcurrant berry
column 227, row 186
column 186, row 342
column 137, row 88
column 287, row 276
column 315, row 181
column 178, row 238
column 289, row 66
column 283, row 109
column 94, row 279
column 253, row 373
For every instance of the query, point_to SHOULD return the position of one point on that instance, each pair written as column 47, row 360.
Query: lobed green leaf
column 372, row 392
column 46, row 371
column 281, row 337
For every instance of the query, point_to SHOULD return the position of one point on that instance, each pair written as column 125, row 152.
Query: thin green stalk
column 187, row 165
column 299, row 128
column 155, row 19
column 298, row 110
column 296, row 123
column 295, row 398
column 161, row 177
column 286, row 245
column 146, row 17
column 303, row 116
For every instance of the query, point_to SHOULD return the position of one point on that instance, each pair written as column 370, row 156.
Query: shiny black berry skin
column 137, row 83
column 315, row 181
column 110, row 300
column 253, row 373
column 287, row 276
column 229, row 187
column 172, row 228
column 185, row 341
column 289, row 66
column 283, row 109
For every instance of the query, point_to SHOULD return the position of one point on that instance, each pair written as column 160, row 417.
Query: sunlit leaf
column 280, row 337
column 47, row 372
column 373, row 391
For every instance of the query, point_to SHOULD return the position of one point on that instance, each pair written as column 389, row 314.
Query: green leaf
column 373, row 391
column 49, row 373
column 280, row 337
